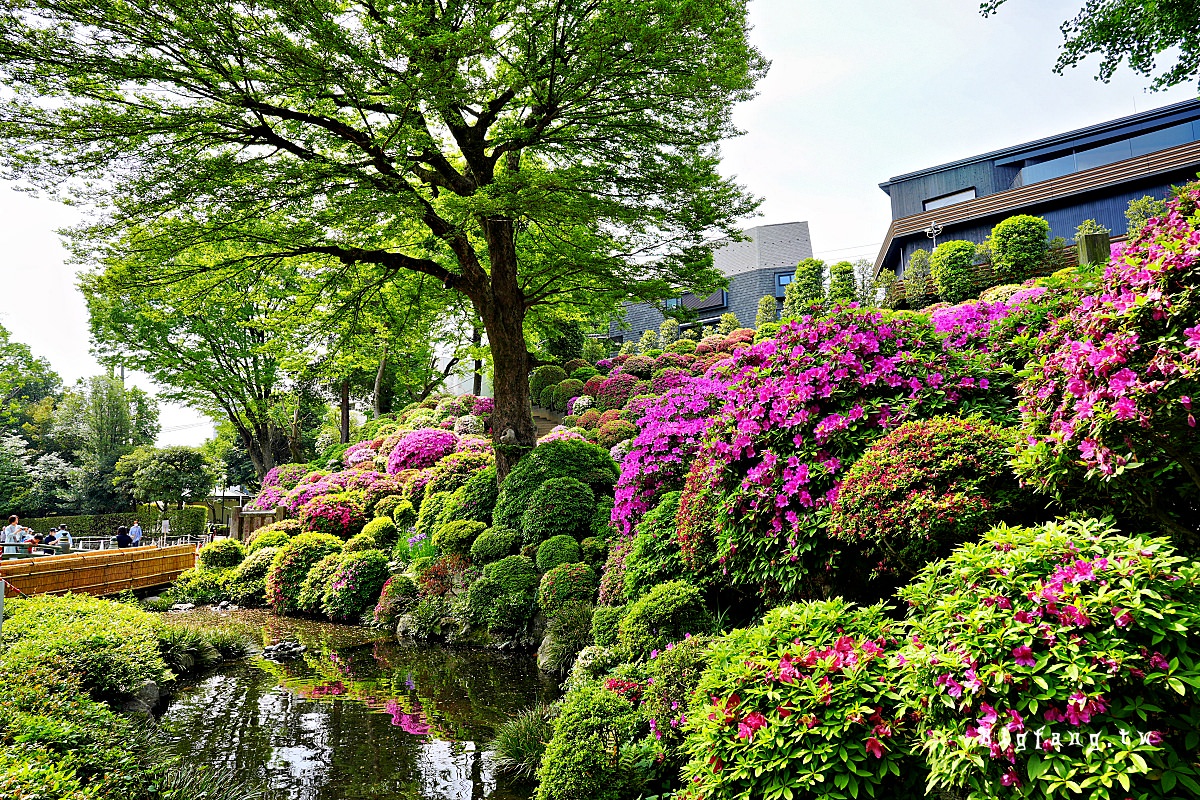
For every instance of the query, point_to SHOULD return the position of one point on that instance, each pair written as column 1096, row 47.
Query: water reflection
column 356, row 719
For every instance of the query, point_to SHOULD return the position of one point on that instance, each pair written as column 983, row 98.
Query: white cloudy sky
column 859, row 91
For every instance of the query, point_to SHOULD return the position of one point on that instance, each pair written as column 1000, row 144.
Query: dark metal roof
column 1177, row 112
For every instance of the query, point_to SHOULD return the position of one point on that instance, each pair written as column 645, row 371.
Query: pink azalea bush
column 285, row 476
column 1057, row 660
column 339, row 513
column 1108, row 403
column 971, row 324
column 421, row 449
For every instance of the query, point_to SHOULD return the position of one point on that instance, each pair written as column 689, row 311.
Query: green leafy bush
column 583, row 461
column 665, row 614
column 398, row 595
column 200, row 586
column 521, row 741
column 560, row 506
column 456, row 470
column 221, row 554
column 291, row 566
column 493, row 545
column 515, row 574
column 308, row 599
column 401, row 511
column 593, row 550
column 339, row 513
column 805, row 700
column 567, row 632
column 918, row 287
column 248, row 582
column 564, row 584
column 1064, row 629
column 289, row 526
column 581, row 759
column 952, row 266
column 431, row 516
column 1019, row 246
column 273, row 538
column 601, row 524
column 383, row 530
column 681, row 346
column 545, row 377
column 456, row 538
column 360, row 542
column 807, row 287
column 672, row 677
column 843, row 288
column 557, row 550
column 583, row 374
column 654, row 556
column 564, row 391
column 477, row 499
column 355, row 586
column 613, row 433
column 925, row 488
column 605, row 623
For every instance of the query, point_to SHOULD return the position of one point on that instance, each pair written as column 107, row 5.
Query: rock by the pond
column 226, row 605
column 183, row 606
column 142, row 700
column 282, row 651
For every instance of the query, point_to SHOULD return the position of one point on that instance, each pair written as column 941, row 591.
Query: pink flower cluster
column 421, row 449
column 970, row 324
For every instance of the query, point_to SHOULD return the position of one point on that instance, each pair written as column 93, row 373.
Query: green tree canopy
column 521, row 152
column 25, row 380
column 173, row 475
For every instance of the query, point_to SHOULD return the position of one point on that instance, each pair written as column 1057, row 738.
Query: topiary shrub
column 398, row 596
column 383, row 531
column 247, row 582
column 582, row 758
column 584, row 373
column 671, row 679
column 493, row 544
column 340, row 514
column 560, row 506
column 593, row 550
column 308, row 599
column 477, row 499
column 564, row 391
column 200, row 586
column 653, row 556
column 925, row 488
column 952, row 266
column 613, row 433
column 681, row 346
column 431, row 516
column 221, row 554
column 1053, row 657
column 1019, row 246
column 456, row 469
column 583, row 461
column 456, row 538
column 545, row 376
column 355, row 585
column 808, row 694
column 665, row 614
column 546, row 398
column 614, row 391
column 564, row 584
column 557, row 550
column 397, row 508
column 289, row 526
column 605, row 622
column 291, row 565
column 360, row 542
column 268, row 539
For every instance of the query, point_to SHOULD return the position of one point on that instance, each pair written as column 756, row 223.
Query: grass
column 520, row 743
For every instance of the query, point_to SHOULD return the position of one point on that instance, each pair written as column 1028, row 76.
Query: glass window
column 1055, row 167
column 1160, row 140
column 1104, row 154
column 672, row 303
column 950, row 199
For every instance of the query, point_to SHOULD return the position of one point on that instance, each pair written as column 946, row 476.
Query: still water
column 358, row 717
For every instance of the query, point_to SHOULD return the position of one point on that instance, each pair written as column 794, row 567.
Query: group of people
column 18, row 538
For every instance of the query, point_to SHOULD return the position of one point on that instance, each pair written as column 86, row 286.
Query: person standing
column 12, row 535
column 135, row 533
column 122, row 537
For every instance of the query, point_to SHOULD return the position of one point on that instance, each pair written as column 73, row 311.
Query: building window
column 950, row 199
column 782, row 279
column 674, row 302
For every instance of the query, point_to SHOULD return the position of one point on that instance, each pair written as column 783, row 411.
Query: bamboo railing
column 98, row 572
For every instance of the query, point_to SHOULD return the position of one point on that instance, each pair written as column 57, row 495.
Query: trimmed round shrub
column 589, row 419
column 581, row 460
column 289, row 526
column 681, row 346
column 665, row 614
column 421, row 449
column 613, row 433
column 593, row 550
column 340, row 514
column 584, row 373
column 388, row 506
column 222, row 554
column 925, row 488
column 268, row 539
column 1067, row 629
column 469, row 425
column 308, row 599
column 671, row 679
column 605, row 623
column 557, row 550
column 476, row 500
column 248, row 582
column 653, row 556
column 544, row 377
column 456, row 469
column 514, row 574
column 1019, row 246
column 398, row 596
column 546, row 398
column 807, row 694
column 360, row 542
column 564, row 584
column 493, row 545
column 431, row 516
column 639, row 366
column 457, row 537
column 355, row 585
column 560, row 506
column 578, row 762
column 564, row 391
column 200, row 586
column 952, row 266
column 383, row 531
column 291, row 565
column 285, row 476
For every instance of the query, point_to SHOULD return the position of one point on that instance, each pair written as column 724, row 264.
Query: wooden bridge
column 98, row 572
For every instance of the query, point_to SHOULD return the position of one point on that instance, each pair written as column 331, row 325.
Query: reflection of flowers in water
column 341, row 666
column 413, row 723
column 333, row 689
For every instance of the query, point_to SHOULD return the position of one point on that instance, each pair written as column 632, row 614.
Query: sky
column 858, row 91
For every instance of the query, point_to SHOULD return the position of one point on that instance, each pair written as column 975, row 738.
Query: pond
column 359, row 716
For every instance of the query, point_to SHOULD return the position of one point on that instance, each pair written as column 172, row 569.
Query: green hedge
column 188, row 521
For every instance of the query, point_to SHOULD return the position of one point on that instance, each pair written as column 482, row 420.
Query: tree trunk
column 345, row 409
column 376, row 399
column 477, row 385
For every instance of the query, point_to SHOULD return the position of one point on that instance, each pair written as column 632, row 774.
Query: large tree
column 1133, row 31
column 521, row 152
column 25, row 381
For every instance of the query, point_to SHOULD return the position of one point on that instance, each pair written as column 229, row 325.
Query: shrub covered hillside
column 858, row 552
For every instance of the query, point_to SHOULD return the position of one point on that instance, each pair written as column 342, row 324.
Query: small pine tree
column 842, row 289
column 728, row 324
column 708, row 330
column 649, row 341
column 768, row 311
column 630, row 348
column 668, row 331
column 917, row 283
column 594, row 350
column 807, row 287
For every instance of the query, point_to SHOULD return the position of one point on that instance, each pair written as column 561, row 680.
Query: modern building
column 1091, row 173
column 761, row 265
